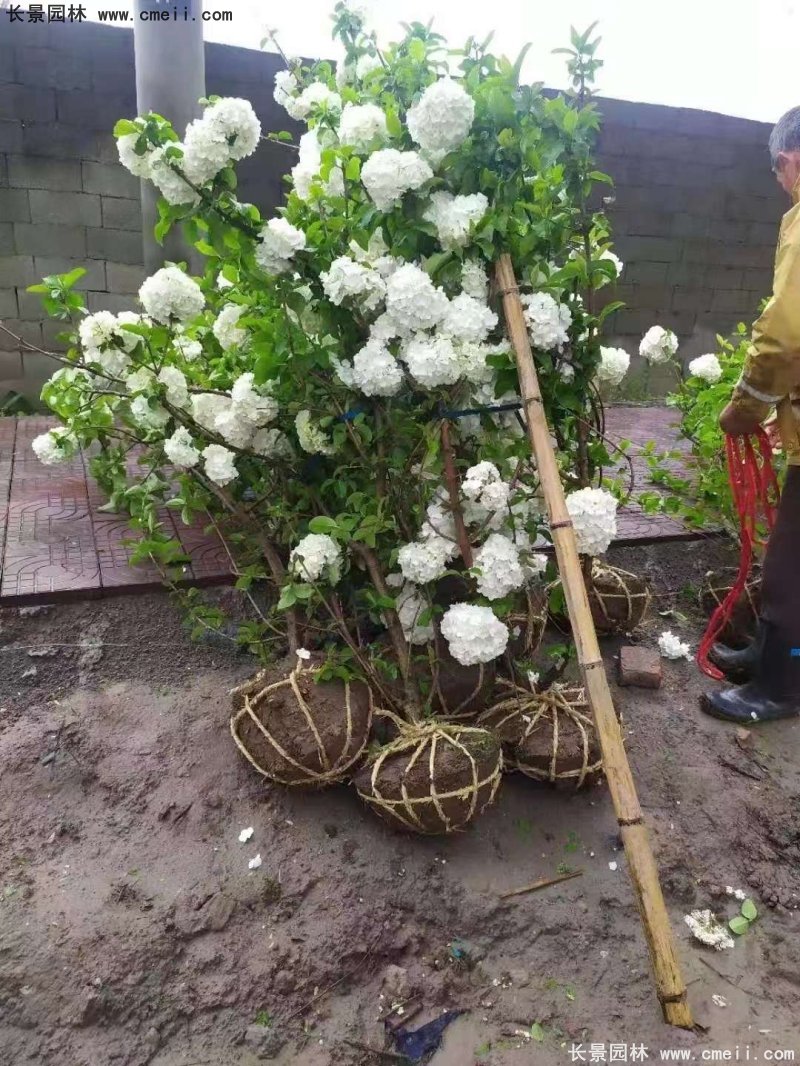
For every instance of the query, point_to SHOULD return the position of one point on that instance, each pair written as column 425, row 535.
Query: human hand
column 736, row 422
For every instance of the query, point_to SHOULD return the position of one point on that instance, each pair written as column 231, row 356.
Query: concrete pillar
column 170, row 79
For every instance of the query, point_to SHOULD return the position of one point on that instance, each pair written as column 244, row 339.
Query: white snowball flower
column 672, row 647
column 234, row 429
column 306, row 172
column 317, row 94
column 205, row 152
column 705, row 928
column 169, row 183
column 472, row 358
column 424, row 561
column 187, row 347
column 225, row 329
column 180, row 449
column 49, row 447
column 236, row 123
column 483, row 485
column 658, row 345
column 410, row 607
column 500, row 569
column 170, row 295
column 613, row 366
column 138, row 165
column 206, row 408
column 547, row 320
column 468, row 319
column 126, row 338
column 474, row 281
column 454, row 216
column 286, row 93
column 347, row 279
column 249, row 405
column 361, row 124
column 474, row 634
column 707, row 367
column 316, row 556
column 441, row 119
column 272, row 444
column 279, row 242
column 310, row 436
column 98, row 330
column 594, row 519
column 366, row 64
column 375, row 371
column 141, row 380
column 175, row 382
column 149, row 416
column 432, row 361
column 412, row 301
column 388, row 174
column 219, row 464
column 439, row 523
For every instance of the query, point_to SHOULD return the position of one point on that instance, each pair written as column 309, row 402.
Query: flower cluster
column 708, row 930
column 706, row 367
column 317, row 556
column 280, row 240
column 594, row 519
column 658, row 345
column 170, row 296
column 441, row 119
column 500, row 568
column 547, row 320
column 455, row 216
column 672, row 647
column 389, row 174
column 474, row 634
column 613, row 366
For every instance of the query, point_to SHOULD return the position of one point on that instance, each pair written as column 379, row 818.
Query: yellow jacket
column 772, row 368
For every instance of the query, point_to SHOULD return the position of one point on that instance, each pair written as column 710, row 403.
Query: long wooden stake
column 670, row 986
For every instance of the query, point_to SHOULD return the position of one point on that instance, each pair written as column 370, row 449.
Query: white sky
column 738, row 57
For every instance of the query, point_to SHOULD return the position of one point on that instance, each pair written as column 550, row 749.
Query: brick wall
column 695, row 212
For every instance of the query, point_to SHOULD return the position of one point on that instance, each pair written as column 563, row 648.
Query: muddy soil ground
column 133, row 932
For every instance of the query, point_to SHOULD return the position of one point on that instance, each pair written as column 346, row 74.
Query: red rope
column 755, row 492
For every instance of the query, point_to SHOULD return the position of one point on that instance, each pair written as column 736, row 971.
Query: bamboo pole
column 670, row 986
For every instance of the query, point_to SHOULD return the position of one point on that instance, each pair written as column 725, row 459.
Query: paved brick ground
column 56, row 543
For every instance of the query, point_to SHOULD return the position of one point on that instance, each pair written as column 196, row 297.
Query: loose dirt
column 132, row 930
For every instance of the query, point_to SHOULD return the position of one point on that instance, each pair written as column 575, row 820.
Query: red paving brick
column 56, row 543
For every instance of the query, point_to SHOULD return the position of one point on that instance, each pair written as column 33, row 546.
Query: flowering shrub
column 335, row 390
column 695, row 484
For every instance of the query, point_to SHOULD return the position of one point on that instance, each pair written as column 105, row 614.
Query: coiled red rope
column 755, row 494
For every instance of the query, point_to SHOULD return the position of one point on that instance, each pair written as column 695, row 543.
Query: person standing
column 771, row 664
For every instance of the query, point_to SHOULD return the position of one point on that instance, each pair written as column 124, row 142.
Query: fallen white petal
column 245, row 834
column 303, row 653
column 612, row 866
column 254, row 863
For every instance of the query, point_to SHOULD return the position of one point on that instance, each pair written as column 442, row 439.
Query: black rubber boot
column 739, row 664
column 773, row 693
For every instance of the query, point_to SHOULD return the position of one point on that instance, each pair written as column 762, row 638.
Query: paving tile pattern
column 56, row 543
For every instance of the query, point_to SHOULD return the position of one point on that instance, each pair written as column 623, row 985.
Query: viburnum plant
column 696, row 481
column 335, row 392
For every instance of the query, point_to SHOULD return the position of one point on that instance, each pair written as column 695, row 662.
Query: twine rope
column 331, row 771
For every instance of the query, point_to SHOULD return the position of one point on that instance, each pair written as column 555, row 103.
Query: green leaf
column 537, row 1032
column 288, row 598
column 125, row 126
column 739, row 925
column 321, row 524
column 353, row 169
column 749, row 910
column 416, row 49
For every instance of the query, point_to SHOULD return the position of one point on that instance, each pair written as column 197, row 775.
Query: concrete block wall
column 695, row 209
column 695, row 217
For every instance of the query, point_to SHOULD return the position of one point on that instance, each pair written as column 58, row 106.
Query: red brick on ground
column 640, row 667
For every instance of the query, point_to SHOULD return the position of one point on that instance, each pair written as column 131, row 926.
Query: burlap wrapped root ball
column 618, row 599
column 549, row 736
column 741, row 627
column 433, row 778
column 298, row 732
